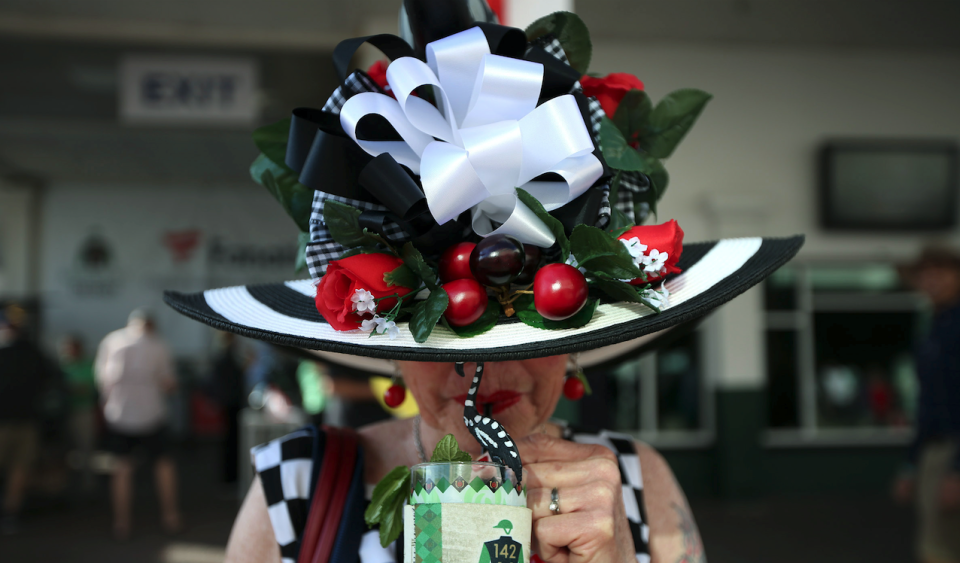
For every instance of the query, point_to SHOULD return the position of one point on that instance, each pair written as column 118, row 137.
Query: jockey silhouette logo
column 505, row 549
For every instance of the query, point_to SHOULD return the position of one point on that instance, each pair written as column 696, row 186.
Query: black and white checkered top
column 285, row 467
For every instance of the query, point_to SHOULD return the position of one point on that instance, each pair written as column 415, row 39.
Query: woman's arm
column 673, row 532
column 252, row 540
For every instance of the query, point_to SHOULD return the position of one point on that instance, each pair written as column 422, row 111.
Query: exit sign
column 188, row 90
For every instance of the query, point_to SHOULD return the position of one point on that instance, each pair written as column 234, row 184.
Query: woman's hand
column 592, row 525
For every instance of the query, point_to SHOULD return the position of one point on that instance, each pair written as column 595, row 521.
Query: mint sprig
column 386, row 504
column 448, row 450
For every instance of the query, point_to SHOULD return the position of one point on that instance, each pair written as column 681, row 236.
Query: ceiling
column 320, row 24
column 58, row 117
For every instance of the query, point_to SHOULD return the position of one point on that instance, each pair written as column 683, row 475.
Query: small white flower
column 367, row 325
column 655, row 261
column 658, row 298
column 363, row 301
column 393, row 331
column 634, row 247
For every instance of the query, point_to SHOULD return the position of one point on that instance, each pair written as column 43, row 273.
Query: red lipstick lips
column 498, row 401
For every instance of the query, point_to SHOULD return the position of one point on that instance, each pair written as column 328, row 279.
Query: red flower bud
column 658, row 239
column 610, row 89
column 344, row 277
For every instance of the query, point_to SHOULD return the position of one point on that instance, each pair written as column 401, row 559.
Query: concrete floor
column 830, row 529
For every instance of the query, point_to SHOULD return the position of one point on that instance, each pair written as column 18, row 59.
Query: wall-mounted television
column 879, row 185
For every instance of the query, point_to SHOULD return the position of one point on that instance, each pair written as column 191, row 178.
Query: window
column 838, row 345
column 660, row 397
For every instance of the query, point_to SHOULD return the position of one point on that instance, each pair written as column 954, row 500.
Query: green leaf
column 622, row 291
column 621, row 156
column 658, row 176
column 633, row 113
column 302, row 240
column 402, row 276
column 414, row 260
column 601, row 253
column 272, row 141
column 617, row 290
column 448, row 450
column 572, row 33
column 619, row 222
column 397, row 482
column 670, row 121
column 618, row 154
column 386, row 504
column 486, row 321
column 295, row 198
column 552, row 223
column 343, row 223
column 426, row 313
column 391, row 521
column 528, row 314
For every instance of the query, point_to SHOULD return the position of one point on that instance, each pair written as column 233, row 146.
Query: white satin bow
column 487, row 138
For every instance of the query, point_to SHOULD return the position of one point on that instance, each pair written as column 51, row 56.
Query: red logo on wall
column 182, row 244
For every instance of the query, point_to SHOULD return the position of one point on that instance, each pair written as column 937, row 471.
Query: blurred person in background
column 24, row 376
column 230, row 393
column 933, row 473
column 77, row 369
column 135, row 375
column 314, row 383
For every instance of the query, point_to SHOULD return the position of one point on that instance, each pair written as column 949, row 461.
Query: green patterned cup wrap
column 464, row 533
column 465, row 483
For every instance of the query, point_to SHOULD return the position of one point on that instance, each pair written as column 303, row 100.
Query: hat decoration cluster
column 489, row 177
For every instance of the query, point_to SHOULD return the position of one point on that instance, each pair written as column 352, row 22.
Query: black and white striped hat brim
column 285, row 313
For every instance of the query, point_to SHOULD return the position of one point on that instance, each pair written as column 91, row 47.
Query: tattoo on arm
column 692, row 546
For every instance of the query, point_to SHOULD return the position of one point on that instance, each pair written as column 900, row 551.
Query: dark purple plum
column 497, row 260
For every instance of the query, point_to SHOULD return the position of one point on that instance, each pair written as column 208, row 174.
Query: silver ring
column 555, row 501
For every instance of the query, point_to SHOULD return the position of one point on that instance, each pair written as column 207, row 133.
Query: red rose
column 344, row 277
column 610, row 89
column 378, row 72
column 653, row 241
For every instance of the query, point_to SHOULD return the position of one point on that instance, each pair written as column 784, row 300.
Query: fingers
column 578, row 533
column 537, row 448
column 547, row 475
column 593, row 496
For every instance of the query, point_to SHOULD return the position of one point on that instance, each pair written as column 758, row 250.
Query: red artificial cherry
column 395, row 395
column 468, row 300
column 455, row 262
column 573, row 388
column 559, row 291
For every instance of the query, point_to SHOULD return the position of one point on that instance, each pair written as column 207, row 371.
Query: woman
column 424, row 250
column 592, row 524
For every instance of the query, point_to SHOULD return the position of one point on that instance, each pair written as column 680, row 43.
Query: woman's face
column 521, row 394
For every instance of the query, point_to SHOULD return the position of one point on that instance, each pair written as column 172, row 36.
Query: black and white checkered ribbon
column 357, row 82
column 322, row 248
column 285, row 467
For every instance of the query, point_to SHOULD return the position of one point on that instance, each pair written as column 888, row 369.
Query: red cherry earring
column 576, row 385
column 396, row 393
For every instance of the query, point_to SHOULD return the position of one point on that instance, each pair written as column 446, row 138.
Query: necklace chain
column 416, row 439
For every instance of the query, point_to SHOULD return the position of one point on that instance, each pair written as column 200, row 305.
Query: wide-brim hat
column 481, row 132
column 286, row 314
